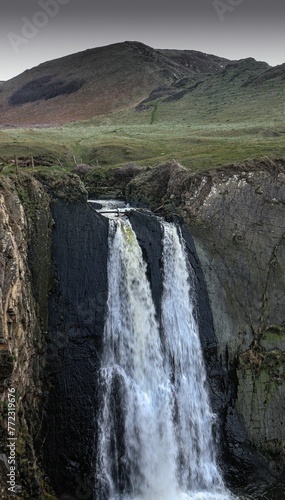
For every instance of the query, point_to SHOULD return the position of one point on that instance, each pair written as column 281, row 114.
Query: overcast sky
column 35, row 31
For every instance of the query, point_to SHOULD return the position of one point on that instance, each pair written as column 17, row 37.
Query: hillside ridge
column 96, row 81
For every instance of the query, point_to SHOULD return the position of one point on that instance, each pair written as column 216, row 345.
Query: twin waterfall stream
column 155, row 423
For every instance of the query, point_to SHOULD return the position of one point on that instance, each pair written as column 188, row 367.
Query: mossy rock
column 273, row 338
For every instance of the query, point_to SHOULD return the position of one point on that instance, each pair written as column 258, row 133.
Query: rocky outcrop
column 24, row 275
column 236, row 218
column 25, row 282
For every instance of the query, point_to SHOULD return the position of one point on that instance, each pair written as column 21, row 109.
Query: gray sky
column 35, row 31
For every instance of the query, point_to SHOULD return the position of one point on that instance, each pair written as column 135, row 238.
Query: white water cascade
column 155, row 425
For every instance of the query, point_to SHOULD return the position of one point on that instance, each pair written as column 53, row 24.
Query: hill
column 95, row 82
column 130, row 103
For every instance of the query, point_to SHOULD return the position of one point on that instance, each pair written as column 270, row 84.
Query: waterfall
column 155, row 424
column 194, row 419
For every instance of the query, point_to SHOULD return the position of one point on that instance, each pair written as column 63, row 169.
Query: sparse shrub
column 82, row 169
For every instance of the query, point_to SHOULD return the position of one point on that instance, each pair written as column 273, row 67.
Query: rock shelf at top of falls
column 114, row 208
column 110, row 207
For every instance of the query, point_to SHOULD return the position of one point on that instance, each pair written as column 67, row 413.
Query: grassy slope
column 221, row 121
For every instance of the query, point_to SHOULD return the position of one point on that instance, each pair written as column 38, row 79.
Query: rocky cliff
column 24, row 275
column 236, row 218
column 25, row 282
column 53, row 299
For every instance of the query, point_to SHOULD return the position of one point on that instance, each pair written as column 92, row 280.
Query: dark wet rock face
column 149, row 234
column 76, row 321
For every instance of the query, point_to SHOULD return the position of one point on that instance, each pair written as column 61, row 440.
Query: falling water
column 197, row 469
column 155, row 439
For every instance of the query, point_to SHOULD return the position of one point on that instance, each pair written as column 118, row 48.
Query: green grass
column 220, row 122
column 195, row 146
